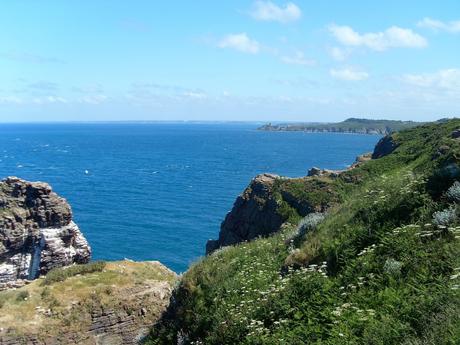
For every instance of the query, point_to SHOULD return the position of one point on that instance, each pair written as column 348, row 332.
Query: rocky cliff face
column 254, row 213
column 258, row 211
column 384, row 147
column 268, row 202
column 36, row 231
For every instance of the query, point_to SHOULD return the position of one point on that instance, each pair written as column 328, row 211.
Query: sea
column 159, row 191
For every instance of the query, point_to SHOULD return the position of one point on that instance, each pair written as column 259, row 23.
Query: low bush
column 392, row 267
column 61, row 274
column 445, row 217
column 22, row 295
column 309, row 223
column 453, row 193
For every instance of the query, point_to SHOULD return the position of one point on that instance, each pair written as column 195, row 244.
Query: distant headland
column 351, row 125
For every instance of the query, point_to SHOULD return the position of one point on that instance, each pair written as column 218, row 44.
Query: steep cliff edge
column 271, row 201
column 254, row 213
column 37, row 232
column 72, row 301
column 380, row 266
column 111, row 303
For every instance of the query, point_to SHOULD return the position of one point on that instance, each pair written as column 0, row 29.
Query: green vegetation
column 383, row 267
column 61, row 274
column 63, row 302
column 351, row 125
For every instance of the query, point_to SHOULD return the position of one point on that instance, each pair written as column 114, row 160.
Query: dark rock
column 36, row 231
column 441, row 151
column 254, row 214
column 323, row 172
column 364, row 157
column 384, row 147
column 455, row 134
column 314, row 171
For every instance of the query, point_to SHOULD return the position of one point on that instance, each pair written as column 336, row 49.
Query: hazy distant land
column 351, row 125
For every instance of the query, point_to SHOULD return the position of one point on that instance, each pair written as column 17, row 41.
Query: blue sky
column 234, row 60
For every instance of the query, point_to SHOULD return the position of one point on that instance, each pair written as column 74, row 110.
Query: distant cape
column 351, row 125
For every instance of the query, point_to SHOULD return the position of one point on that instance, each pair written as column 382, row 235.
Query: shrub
column 309, row 223
column 453, row 193
column 61, row 274
column 445, row 217
column 392, row 267
column 22, row 295
column 46, row 293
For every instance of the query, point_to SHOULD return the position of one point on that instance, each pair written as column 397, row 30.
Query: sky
column 207, row 60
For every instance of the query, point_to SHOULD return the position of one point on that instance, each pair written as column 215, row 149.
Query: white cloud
column 195, row 95
column 348, row 74
column 240, row 42
column 94, row 99
column 339, row 54
column 268, row 11
column 10, row 100
column 298, row 59
column 393, row 37
column 437, row 25
column 446, row 79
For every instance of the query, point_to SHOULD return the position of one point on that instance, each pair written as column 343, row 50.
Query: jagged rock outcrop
column 323, row 172
column 253, row 214
column 36, row 231
column 384, row 147
column 257, row 211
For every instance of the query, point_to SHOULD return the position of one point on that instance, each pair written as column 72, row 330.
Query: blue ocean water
column 158, row 191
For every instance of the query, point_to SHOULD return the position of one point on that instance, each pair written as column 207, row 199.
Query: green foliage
column 392, row 267
column 377, row 270
column 445, row 217
column 61, row 274
column 309, row 223
column 22, row 295
column 453, row 193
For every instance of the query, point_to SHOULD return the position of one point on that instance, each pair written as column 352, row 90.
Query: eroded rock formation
column 384, row 147
column 254, row 213
column 36, row 231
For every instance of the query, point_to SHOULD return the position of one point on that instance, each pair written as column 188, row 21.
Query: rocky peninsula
column 351, row 125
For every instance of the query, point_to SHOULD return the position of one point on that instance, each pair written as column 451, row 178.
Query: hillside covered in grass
column 351, row 125
column 379, row 265
column 111, row 303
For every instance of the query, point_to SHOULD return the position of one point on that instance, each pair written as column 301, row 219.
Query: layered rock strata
column 37, row 232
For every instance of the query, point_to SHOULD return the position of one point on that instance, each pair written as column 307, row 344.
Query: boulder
column 455, row 134
column 323, row 172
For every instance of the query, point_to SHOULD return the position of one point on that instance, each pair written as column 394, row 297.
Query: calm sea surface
column 159, row 191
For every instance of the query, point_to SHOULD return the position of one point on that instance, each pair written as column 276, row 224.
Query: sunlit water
column 159, row 191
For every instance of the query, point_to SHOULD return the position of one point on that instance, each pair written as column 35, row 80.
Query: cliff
column 112, row 303
column 72, row 301
column 351, row 125
column 369, row 255
column 271, row 201
column 37, row 232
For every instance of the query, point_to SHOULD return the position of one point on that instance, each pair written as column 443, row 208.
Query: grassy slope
column 51, row 308
column 375, row 271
